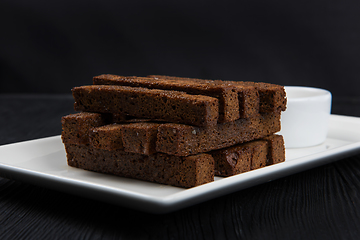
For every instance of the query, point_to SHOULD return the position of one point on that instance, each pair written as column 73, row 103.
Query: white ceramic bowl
column 305, row 121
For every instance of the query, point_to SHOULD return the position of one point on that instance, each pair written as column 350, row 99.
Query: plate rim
column 186, row 197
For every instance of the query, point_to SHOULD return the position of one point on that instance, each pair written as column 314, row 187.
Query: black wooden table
column 321, row 203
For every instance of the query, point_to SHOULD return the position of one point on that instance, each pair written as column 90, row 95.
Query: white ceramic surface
column 43, row 162
column 305, row 121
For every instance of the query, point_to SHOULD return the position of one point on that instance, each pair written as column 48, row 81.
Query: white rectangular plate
column 43, row 162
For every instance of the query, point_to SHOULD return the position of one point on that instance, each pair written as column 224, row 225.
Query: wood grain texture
column 321, row 203
column 316, row 204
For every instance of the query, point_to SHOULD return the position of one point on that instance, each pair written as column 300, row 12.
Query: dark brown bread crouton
column 225, row 93
column 272, row 96
column 108, row 137
column 249, row 156
column 184, row 140
column 167, row 105
column 269, row 97
column 94, row 129
column 76, row 126
column 160, row 168
column 247, row 95
column 276, row 151
column 240, row 158
column 140, row 137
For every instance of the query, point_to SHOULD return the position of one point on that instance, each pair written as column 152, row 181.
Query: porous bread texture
column 184, row 140
column 171, row 130
column 172, row 106
column 173, row 139
column 140, row 137
column 75, row 127
column 225, row 93
column 269, row 98
column 276, row 151
column 249, row 156
column 161, row 168
column 137, row 136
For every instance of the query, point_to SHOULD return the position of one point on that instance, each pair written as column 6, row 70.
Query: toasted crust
column 171, row 106
column 225, row 93
column 254, row 97
column 160, row 168
column 146, row 137
column 171, row 130
column 183, row 140
column 75, row 127
column 249, row 156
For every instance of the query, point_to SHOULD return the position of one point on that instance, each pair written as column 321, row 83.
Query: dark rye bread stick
column 148, row 137
column 75, row 127
column 271, row 97
column 247, row 95
column 172, row 106
column 240, row 158
column 140, row 137
column 89, row 128
column 184, row 140
column 107, row 137
column 249, row 156
column 177, row 139
column 276, row 150
column 160, row 168
column 225, row 93
column 132, row 137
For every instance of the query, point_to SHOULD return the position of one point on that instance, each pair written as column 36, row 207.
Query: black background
column 52, row 46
